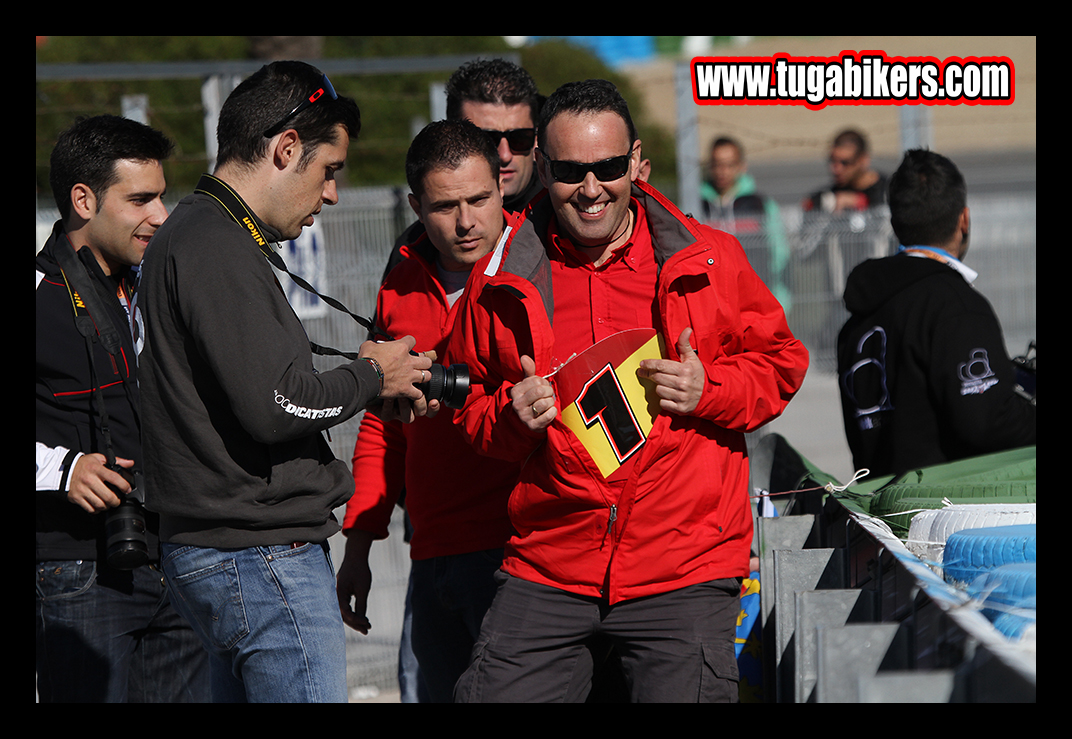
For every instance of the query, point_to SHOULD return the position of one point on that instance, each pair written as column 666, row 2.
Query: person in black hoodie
column 924, row 374
column 106, row 629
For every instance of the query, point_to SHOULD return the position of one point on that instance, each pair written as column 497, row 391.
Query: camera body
column 126, row 545
column 448, row 385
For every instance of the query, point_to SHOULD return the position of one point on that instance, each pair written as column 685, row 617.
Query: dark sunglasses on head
column 608, row 170
column 520, row 140
column 325, row 89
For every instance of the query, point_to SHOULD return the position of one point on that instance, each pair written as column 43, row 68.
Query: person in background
column 855, row 185
column 732, row 203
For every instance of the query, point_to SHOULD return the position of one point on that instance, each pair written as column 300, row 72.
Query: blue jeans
column 110, row 636
column 268, row 617
column 450, row 596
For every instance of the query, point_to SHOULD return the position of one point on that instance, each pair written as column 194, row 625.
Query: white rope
column 832, row 488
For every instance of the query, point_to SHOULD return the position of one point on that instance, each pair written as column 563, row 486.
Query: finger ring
column 534, row 411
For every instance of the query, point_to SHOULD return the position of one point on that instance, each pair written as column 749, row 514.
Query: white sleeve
column 50, row 470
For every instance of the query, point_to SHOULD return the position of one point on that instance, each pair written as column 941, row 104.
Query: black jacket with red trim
column 66, row 415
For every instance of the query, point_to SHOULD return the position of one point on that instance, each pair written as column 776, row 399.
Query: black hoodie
column 923, row 371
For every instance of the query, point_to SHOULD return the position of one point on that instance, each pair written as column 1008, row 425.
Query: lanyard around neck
column 242, row 215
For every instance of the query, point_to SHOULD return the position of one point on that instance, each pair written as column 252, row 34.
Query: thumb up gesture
column 533, row 398
column 679, row 385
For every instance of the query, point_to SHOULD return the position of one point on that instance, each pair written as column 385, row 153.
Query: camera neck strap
column 88, row 303
column 240, row 212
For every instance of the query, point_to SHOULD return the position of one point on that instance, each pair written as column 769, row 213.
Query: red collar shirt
column 592, row 303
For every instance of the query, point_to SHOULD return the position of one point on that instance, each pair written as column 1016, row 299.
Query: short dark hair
column 494, row 81
column 727, row 141
column 268, row 95
column 87, row 153
column 445, row 145
column 588, row 96
column 927, row 194
column 852, row 137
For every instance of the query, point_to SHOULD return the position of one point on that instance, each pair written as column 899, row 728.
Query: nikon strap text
column 240, row 212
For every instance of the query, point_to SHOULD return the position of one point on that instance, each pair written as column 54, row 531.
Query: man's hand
column 402, row 371
column 533, row 398
column 679, row 385
column 354, row 581
column 92, row 483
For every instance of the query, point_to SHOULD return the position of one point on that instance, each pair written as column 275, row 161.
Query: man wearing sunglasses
column 234, row 411
column 648, row 554
column 855, row 184
column 500, row 98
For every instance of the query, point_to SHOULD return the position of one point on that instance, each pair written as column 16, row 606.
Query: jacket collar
column 230, row 202
column 671, row 233
column 49, row 265
column 522, row 252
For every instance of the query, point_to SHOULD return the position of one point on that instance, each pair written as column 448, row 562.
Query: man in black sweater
column 236, row 462
column 924, row 374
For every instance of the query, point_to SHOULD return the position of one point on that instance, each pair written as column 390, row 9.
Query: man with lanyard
column 925, row 377
column 106, row 629
column 236, row 462
column 648, row 553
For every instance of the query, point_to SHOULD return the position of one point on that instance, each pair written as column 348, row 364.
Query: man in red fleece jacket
column 456, row 498
column 647, row 552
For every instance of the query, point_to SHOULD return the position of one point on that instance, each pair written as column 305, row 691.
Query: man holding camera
column 106, row 630
column 236, row 462
column 456, row 498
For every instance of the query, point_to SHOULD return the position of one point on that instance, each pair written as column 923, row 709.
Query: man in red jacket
column 456, row 498
column 646, row 550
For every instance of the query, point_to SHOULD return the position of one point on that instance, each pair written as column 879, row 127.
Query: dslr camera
column 126, row 545
column 448, row 385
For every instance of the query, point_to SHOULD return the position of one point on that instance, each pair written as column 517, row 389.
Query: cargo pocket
column 719, row 677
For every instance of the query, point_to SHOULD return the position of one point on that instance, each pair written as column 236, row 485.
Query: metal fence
column 807, row 270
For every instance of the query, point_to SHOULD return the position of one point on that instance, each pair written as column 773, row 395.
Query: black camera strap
column 87, row 303
column 240, row 212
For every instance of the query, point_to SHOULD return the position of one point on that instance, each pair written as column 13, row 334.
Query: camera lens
column 448, row 385
column 126, row 546
column 124, row 526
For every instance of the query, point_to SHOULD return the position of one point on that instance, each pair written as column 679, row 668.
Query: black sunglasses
column 520, row 140
column 325, row 89
column 607, row 170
